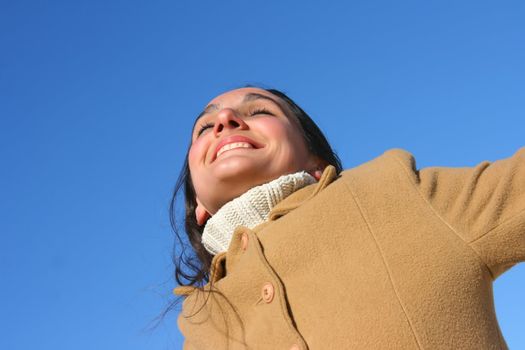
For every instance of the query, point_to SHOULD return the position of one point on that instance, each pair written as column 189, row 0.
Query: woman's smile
column 234, row 142
column 232, row 146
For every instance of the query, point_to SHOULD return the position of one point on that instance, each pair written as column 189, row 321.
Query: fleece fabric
column 385, row 256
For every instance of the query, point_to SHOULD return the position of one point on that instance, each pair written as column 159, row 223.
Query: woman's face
column 242, row 139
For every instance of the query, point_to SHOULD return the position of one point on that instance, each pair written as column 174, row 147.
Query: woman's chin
column 237, row 166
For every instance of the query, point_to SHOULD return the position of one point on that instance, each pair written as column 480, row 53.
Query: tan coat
column 383, row 257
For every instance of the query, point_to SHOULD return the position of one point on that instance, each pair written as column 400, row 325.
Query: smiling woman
column 244, row 139
column 292, row 252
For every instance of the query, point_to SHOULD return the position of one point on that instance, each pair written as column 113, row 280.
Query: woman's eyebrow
column 252, row 96
column 208, row 109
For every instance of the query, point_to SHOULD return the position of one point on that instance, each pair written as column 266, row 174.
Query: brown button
column 295, row 347
column 244, row 241
column 267, row 292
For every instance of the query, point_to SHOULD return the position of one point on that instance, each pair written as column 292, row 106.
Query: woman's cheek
column 273, row 128
column 197, row 152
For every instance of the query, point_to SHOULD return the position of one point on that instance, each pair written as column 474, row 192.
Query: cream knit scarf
column 250, row 209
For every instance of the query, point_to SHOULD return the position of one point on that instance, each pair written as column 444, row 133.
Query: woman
column 299, row 255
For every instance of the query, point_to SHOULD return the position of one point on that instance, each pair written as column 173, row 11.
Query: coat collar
column 224, row 261
column 299, row 197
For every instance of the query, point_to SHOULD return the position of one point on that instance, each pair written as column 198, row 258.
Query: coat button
column 267, row 292
column 244, row 241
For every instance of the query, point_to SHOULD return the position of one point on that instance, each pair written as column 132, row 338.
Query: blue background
column 97, row 99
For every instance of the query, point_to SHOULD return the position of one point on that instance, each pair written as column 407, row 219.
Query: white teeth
column 232, row 146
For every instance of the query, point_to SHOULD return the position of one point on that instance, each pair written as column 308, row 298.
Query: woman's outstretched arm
column 485, row 205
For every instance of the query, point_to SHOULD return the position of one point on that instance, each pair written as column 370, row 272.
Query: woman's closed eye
column 204, row 127
column 260, row 111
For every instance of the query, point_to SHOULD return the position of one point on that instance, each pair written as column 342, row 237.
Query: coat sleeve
column 484, row 205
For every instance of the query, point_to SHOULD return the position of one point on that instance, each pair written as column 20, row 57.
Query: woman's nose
column 227, row 119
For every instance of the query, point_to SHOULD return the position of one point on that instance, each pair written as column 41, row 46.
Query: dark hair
column 191, row 268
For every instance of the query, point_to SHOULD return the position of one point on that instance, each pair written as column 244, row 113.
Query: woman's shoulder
column 390, row 163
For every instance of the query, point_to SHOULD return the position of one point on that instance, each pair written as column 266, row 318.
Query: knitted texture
column 250, row 209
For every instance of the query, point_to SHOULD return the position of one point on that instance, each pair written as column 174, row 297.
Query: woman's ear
column 201, row 214
column 317, row 169
column 317, row 174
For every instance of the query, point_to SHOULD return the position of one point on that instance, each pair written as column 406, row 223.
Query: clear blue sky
column 97, row 99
